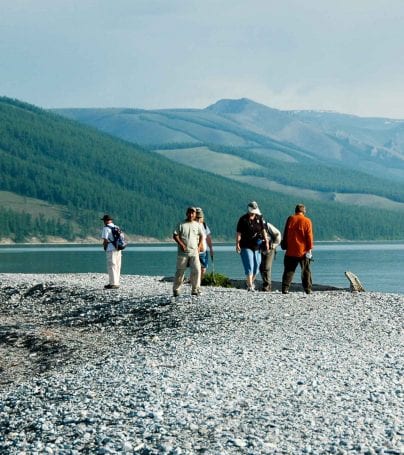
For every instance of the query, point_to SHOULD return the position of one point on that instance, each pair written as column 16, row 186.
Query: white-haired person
column 251, row 237
column 206, row 242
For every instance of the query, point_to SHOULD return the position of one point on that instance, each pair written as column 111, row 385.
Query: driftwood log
column 354, row 284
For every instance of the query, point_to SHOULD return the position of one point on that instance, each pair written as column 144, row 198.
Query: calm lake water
column 379, row 265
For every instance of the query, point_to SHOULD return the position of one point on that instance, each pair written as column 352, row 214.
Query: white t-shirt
column 205, row 233
column 107, row 235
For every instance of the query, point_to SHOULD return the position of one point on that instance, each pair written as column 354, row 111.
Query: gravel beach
column 86, row 370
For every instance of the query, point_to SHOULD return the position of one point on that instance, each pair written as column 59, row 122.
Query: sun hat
column 253, row 208
column 199, row 213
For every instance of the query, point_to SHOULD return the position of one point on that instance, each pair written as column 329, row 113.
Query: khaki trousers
column 182, row 263
column 114, row 259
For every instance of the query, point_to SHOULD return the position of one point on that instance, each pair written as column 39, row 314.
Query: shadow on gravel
column 139, row 317
column 35, row 350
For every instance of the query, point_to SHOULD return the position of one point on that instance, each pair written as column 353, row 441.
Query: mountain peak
column 230, row 106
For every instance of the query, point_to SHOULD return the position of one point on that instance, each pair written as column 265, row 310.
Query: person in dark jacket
column 250, row 236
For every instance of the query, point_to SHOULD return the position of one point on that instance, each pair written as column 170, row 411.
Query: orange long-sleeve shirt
column 299, row 235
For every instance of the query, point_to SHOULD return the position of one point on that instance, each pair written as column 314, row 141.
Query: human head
column 253, row 208
column 199, row 214
column 300, row 208
column 107, row 219
column 191, row 213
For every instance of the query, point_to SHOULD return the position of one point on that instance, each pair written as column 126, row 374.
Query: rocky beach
column 86, row 370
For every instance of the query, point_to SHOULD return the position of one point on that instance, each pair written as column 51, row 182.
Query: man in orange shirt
column 298, row 235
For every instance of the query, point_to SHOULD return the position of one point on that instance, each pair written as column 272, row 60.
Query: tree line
column 51, row 158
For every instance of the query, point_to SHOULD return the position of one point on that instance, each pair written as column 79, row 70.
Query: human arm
column 179, row 242
column 309, row 236
column 105, row 237
column 210, row 245
column 238, row 238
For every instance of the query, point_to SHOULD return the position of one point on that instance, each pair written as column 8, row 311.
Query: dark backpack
column 119, row 241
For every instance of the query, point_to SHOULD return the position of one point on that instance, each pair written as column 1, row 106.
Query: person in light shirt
column 114, row 257
column 206, row 242
column 188, row 236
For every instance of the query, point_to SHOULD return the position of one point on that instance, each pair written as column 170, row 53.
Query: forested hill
column 71, row 174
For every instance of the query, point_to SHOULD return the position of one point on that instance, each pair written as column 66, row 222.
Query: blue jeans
column 251, row 260
column 204, row 258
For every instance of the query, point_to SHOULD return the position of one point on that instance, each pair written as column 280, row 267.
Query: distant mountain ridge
column 292, row 149
column 373, row 145
column 59, row 176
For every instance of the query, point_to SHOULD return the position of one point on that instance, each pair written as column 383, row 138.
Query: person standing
column 250, row 236
column 267, row 256
column 298, row 241
column 188, row 235
column 114, row 257
column 206, row 242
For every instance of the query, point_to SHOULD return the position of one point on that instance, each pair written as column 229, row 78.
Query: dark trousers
column 290, row 264
column 266, row 269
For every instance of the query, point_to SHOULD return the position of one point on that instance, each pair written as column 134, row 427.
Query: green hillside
column 83, row 173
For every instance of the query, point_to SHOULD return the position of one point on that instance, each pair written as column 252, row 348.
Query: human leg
column 114, row 267
column 195, row 276
column 181, row 266
column 306, row 275
column 290, row 263
column 266, row 270
column 204, row 260
column 247, row 258
column 256, row 265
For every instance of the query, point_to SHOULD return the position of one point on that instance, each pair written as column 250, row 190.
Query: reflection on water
column 379, row 265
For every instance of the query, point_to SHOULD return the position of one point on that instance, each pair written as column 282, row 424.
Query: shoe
column 176, row 294
column 285, row 291
column 111, row 286
column 196, row 292
column 307, row 291
column 250, row 289
column 266, row 289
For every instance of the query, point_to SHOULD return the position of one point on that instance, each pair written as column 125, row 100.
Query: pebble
column 84, row 370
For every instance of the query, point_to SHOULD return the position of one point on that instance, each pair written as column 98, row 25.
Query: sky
column 345, row 56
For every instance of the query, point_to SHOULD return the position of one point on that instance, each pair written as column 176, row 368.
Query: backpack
column 272, row 237
column 119, row 241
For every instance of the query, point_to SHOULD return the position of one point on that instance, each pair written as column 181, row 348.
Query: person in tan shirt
column 189, row 236
column 299, row 239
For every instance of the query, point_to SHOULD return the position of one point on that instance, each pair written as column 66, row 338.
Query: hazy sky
column 343, row 55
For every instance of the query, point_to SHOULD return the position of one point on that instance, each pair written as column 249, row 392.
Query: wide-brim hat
column 253, row 208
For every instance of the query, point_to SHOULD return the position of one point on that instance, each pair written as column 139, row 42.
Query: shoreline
column 129, row 370
column 142, row 240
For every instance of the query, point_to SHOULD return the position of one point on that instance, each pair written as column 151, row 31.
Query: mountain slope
column 344, row 157
column 82, row 173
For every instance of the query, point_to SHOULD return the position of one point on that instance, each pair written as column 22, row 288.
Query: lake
column 379, row 265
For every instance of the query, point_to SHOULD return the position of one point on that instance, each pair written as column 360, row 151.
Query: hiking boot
column 307, row 291
column 196, row 292
column 250, row 289
column 176, row 294
column 285, row 291
column 111, row 286
column 266, row 289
